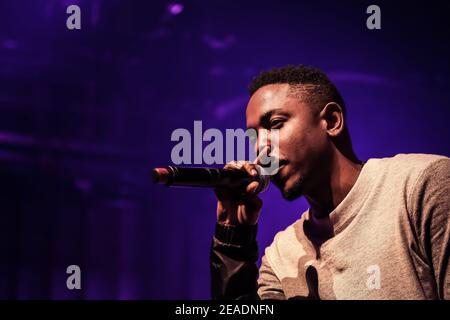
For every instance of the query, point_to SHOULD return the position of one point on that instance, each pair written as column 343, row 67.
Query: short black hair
column 318, row 87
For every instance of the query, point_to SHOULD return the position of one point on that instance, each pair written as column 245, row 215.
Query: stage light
column 175, row 8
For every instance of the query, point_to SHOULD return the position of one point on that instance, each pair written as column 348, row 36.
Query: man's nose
column 263, row 141
column 269, row 142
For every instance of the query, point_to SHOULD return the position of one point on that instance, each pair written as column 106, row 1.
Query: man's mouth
column 278, row 175
column 282, row 163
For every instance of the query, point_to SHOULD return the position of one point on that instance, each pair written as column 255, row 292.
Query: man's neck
column 342, row 176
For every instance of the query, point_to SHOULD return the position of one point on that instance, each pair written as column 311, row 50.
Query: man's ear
column 332, row 116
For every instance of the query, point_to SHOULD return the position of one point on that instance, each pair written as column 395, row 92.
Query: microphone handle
column 206, row 177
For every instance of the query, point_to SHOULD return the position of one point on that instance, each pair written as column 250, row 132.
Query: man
column 374, row 230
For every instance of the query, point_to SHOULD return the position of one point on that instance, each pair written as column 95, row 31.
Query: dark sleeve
column 431, row 209
column 234, row 253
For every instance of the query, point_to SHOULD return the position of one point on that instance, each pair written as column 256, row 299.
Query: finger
column 223, row 193
column 251, row 201
column 254, row 203
column 251, row 169
column 252, row 187
column 240, row 164
column 233, row 165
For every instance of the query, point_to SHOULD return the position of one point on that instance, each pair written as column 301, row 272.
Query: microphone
column 207, row 177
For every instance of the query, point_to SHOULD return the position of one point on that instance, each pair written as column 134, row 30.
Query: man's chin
column 292, row 193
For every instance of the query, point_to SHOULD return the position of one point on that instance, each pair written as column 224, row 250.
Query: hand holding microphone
column 236, row 187
column 243, row 206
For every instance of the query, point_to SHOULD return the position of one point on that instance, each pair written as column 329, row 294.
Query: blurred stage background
column 86, row 114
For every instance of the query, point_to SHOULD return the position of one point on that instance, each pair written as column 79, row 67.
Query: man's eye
column 276, row 123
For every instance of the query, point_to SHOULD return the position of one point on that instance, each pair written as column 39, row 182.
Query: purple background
column 86, row 114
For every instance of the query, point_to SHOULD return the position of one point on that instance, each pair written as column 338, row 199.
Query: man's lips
column 281, row 165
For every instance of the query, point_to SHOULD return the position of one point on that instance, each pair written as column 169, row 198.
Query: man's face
column 303, row 143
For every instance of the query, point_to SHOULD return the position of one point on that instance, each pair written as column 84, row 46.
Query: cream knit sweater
column 391, row 239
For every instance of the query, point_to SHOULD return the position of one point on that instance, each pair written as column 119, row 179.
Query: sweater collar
column 349, row 207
